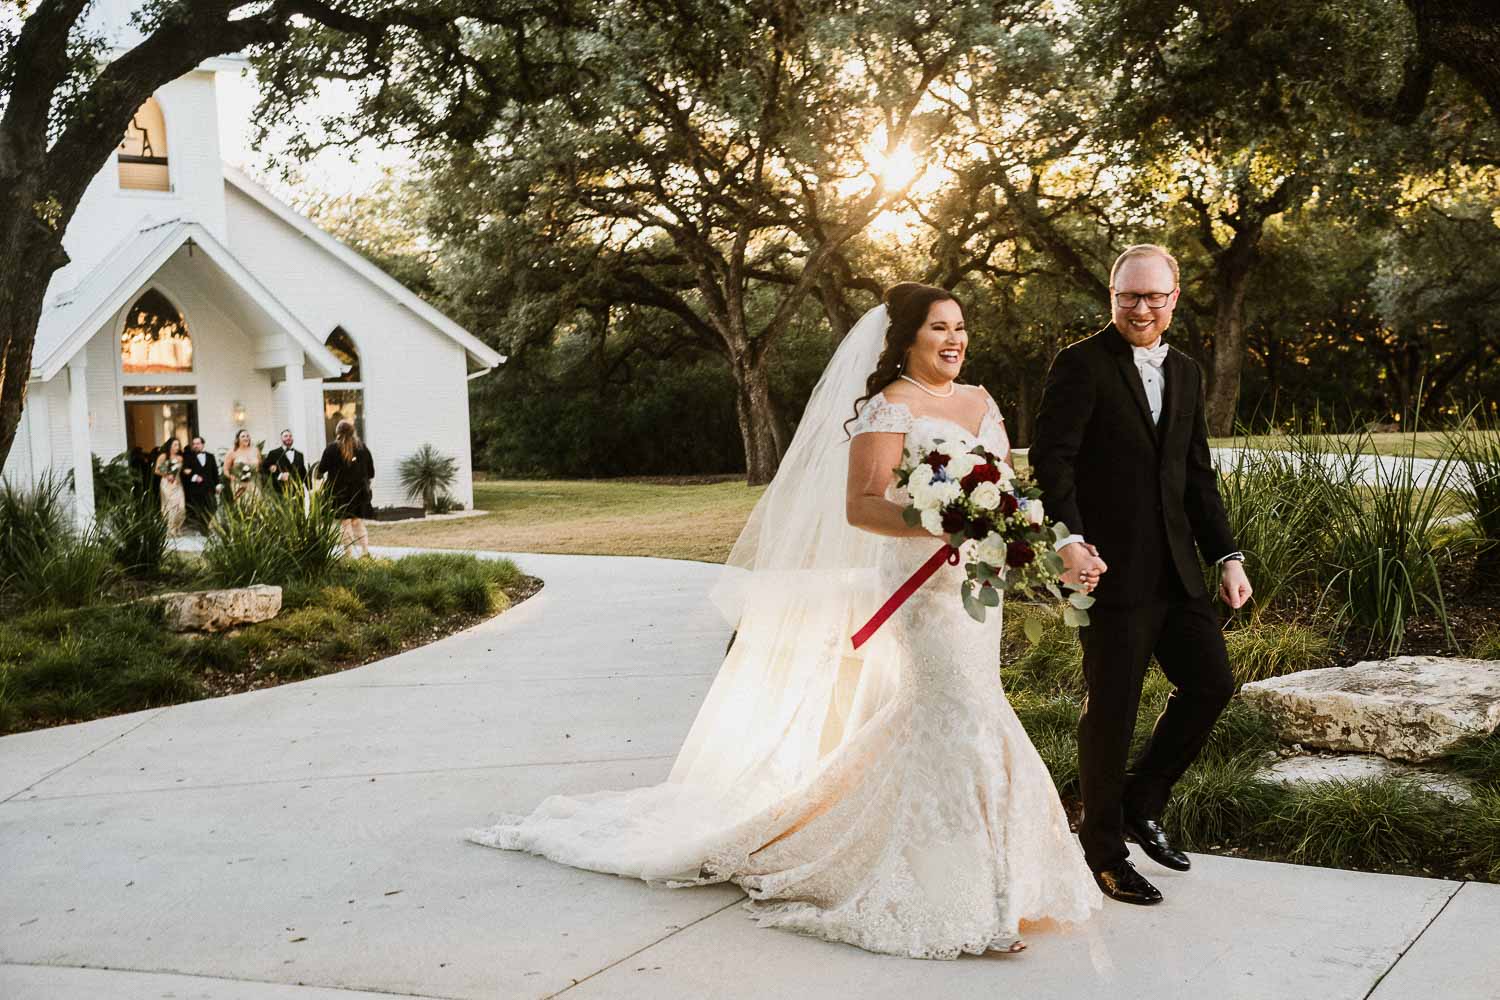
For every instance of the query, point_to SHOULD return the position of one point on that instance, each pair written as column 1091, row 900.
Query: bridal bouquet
column 990, row 519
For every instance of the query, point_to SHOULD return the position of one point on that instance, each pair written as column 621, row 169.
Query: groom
column 1121, row 454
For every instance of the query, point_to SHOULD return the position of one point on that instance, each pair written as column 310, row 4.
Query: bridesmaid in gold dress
column 242, row 465
column 168, row 470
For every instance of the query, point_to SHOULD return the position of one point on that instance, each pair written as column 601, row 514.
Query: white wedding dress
column 889, row 798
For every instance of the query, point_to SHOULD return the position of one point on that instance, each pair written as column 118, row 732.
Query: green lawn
column 687, row 520
column 1428, row 444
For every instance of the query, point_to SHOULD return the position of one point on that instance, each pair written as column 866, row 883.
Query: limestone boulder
column 1320, row 768
column 217, row 610
column 1412, row 708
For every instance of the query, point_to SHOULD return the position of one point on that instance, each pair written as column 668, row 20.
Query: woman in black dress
column 346, row 469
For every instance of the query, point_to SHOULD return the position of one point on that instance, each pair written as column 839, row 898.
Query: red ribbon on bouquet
column 947, row 554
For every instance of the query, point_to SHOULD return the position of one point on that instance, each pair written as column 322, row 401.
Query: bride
column 886, row 797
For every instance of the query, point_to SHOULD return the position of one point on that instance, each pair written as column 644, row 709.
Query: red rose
column 936, row 459
column 982, row 474
column 1018, row 554
column 953, row 519
column 1008, row 505
column 981, row 526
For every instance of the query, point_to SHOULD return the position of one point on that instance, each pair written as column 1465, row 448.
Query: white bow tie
column 1153, row 356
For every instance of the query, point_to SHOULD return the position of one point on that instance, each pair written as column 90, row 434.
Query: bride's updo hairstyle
column 906, row 304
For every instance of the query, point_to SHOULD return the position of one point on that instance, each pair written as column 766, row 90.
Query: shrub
column 115, row 481
column 276, row 538
column 136, row 534
column 1383, row 546
column 1220, row 801
column 1267, row 500
column 71, row 572
column 1487, row 646
column 1477, row 445
column 1051, row 665
column 66, row 666
column 32, row 522
column 1366, row 823
column 1270, row 649
column 1478, row 834
column 445, row 504
column 425, row 473
column 295, row 664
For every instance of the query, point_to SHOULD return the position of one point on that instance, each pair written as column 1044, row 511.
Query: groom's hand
column 1234, row 585
column 1081, row 564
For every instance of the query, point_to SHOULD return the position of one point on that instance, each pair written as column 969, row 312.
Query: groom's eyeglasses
column 1154, row 300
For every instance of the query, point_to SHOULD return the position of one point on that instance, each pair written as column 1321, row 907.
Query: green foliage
column 32, row 522
column 60, row 664
column 1479, row 834
column 276, row 538
column 1052, row 665
column 1476, row 442
column 425, row 473
column 1487, row 646
column 1270, row 649
column 136, row 534
column 1384, row 545
column 1367, row 823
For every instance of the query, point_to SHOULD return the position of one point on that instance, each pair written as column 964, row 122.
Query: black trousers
column 1184, row 635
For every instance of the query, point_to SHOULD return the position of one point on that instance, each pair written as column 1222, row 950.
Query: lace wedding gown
column 932, row 829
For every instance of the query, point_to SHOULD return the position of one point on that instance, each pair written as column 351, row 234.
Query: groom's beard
column 1145, row 336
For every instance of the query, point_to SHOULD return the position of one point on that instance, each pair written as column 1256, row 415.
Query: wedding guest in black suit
column 346, row 469
column 1121, row 454
column 200, row 481
column 285, row 466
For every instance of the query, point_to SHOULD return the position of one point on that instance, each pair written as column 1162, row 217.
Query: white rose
column 920, row 476
column 992, row 549
column 932, row 520
column 1007, row 475
column 986, row 496
column 1034, row 512
column 961, row 465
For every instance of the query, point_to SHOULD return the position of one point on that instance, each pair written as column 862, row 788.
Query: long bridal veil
column 791, row 689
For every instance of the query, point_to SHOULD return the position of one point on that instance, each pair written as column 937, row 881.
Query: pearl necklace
column 952, row 388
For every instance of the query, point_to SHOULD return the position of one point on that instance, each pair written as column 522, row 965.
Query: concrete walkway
column 305, row 842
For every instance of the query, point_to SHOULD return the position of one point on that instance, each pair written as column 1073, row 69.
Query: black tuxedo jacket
column 1141, row 493
column 209, row 470
column 276, row 463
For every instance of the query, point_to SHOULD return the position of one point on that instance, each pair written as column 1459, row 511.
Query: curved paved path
column 304, row 842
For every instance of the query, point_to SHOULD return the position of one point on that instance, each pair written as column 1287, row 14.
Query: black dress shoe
column 1121, row 881
column 1153, row 840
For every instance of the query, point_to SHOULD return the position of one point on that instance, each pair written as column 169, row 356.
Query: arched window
column 155, row 339
column 344, row 395
column 143, row 151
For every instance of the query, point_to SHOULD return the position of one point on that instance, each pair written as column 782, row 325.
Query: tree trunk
column 1223, row 394
column 29, row 254
column 757, row 415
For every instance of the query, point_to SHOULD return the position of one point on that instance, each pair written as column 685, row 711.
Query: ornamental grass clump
column 1385, row 543
column 1266, row 649
column 1477, row 446
column 276, row 538
column 1378, row 823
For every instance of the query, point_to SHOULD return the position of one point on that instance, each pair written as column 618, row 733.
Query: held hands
column 1082, row 565
column 1234, row 585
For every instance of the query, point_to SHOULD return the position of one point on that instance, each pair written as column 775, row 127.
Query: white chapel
column 196, row 302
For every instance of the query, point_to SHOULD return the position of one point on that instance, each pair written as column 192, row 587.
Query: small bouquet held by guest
column 991, row 519
column 243, row 472
column 172, row 467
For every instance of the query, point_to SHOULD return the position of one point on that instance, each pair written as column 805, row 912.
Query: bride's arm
column 872, row 460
